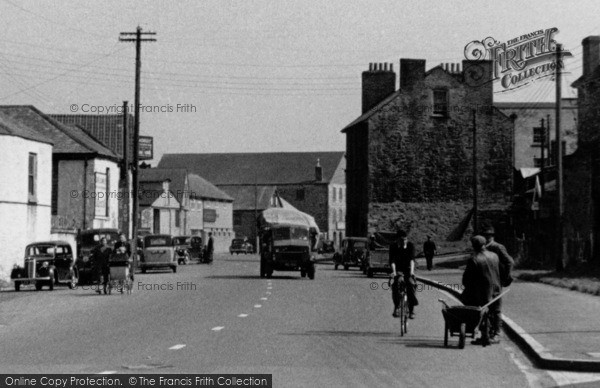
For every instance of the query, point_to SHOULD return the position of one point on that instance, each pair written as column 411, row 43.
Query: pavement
column 558, row 328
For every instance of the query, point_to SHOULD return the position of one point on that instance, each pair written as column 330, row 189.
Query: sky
column 254, row 76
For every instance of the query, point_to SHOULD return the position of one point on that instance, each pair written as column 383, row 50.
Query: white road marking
column 177, row 347
column 257, row 306
column 572, row 378
column 108, row 372
column 263, row 298
column 218, row 328
column 269, row 288
column 268, row 293
column 243, row 315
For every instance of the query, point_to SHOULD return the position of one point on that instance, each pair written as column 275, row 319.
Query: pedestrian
column 210, row 248
column 481, row 281
column 123, row 243
column 429, row 250
column 506, row 264
column 402, row 260
column 100, row 258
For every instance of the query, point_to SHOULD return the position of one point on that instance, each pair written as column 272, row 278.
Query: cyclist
column 402, row 260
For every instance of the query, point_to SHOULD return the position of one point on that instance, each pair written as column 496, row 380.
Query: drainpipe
column 85, row 167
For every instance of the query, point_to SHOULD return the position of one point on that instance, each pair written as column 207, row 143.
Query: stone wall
column 436, row 219
column 314, row 201
column 415, row 156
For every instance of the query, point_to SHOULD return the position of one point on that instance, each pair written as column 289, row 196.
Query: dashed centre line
column 177, row 347
column 243, row 315
column 218, row 328
column 257, row 306
column 263, row 298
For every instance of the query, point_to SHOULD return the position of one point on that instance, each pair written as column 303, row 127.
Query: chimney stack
column 377, row 83
column 591, row 54
column 411, row 72
column 318, row 171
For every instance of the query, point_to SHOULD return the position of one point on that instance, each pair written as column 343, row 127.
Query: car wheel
column 346, row 267
column 369, row 273
column 17, row 286
column 302, row 273
column 51, row 285
column 311, row 272
column 144, row 270
column 174, row 268
column 38, row 286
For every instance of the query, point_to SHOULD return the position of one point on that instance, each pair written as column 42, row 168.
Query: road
column 336, row 330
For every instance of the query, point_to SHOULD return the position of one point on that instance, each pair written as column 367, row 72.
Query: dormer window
column 440, row 102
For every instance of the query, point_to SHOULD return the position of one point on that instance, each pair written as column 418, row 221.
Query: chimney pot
column 318, row 171
column 391, row 67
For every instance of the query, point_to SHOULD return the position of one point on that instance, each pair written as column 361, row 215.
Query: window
column 32, row 177
column 340, row 195
column 538, row 134
column 300, row 195
column 334, row 191
column 440, row 102
column 537, row 162
column 177, row 218
column 340, row 215
column 333, row 216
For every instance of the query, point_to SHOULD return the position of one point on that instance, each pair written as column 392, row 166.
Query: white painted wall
column 20, row 222
column 112, row 221
column 222, row 228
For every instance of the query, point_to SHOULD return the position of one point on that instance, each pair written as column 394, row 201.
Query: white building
column 25, row 190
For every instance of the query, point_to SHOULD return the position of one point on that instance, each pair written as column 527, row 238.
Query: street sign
column 146, row 148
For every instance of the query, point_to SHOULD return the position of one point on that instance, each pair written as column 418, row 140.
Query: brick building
column 409, row 155
column 312, row 182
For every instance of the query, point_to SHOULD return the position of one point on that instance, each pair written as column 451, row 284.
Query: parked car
column 182, row 249
column 379, row 261
column 46, row 263
column 159, row 252
column 239, row 245
column 326, row 246
column 87, row 240
column 355, row 252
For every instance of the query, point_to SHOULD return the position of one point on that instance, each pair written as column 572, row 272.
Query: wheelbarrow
column 465, row 321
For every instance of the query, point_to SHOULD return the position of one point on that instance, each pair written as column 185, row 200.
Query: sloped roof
column 267, row 168
column 201, row 188
column 107, row 128
column 151, row 191
column 247, row 197
column 11, row 127
column 157, row 175
column 67, row 139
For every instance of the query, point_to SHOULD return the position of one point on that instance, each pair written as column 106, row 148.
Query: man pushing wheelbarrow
column 482, row 291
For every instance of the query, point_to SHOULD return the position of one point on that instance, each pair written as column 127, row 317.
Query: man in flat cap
column 506, row 265
column 481, row 280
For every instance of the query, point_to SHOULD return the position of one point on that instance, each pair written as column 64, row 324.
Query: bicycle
column 399, row 289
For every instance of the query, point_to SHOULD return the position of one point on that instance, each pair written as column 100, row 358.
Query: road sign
column 146, row 148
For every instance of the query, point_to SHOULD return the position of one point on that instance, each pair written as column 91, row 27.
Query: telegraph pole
column 559, row 165
column 126, row 167
column 475, row 221
column 543, row 158
column 136, row 130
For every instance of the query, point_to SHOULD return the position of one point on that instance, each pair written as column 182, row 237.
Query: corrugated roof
column 247, row 197
column 268, row 168
column 107, row 128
